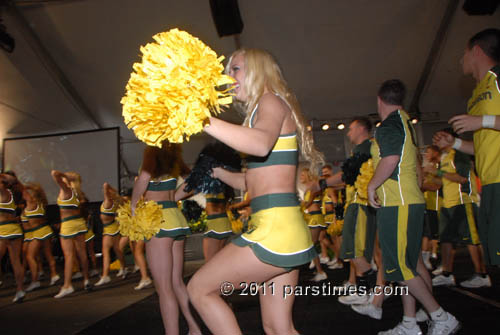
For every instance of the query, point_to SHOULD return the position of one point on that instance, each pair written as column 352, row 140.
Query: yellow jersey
column 485, row 100
column 396, row 136
column 454, row 193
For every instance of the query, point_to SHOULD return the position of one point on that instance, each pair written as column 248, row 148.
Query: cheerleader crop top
column 71, row 203
column 167, row 184
column 284, row 152
column 39, row 212
column 109, row 211
column 8, row 207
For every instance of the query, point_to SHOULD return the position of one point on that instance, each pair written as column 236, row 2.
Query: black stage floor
column 118, row 309
column 477, row 309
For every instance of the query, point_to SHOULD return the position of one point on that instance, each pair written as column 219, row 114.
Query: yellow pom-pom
column 144, row 224
column 365, row 175
column 236, row 224
column 335, row 228
column 172, row 92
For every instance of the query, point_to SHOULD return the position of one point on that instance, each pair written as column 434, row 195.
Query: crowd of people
column 387, row 229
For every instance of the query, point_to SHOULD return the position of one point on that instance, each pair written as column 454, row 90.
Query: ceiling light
column 378, row 124
column 325, row 126
column 414, row 120
column 309, row 128
column 340, row 126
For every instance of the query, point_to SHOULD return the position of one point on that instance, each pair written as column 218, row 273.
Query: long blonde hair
column 37, row 193
column 261, row 72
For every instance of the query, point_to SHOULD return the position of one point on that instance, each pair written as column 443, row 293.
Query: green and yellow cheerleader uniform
column 485, row 100
column 43, row 231
column 111, row 228
column 277, row 232
column 10, row 229
column 218, row 225
column 358, row 232
column 73, row 225
column 315, row 218
column 457, row 217
column 328, row 216
column 400, row 219
column 174, row 224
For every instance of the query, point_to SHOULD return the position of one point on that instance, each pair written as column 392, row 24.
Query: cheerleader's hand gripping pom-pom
column 144, row 224
column 173, row 91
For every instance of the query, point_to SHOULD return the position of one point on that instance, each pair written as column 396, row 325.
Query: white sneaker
column 421, row 315
column 319, row 276
column 33, row 286
column 402, row 330
column 19, row 296
column 93, row 273
column 443, row 280
column 324, row 260
column 450, row 326
column 354, row 299
column 54, row 280
column 336, row 266
column 434, row 255
column 311, row 265
column 122, row 273
column 103, row 280
column 438, row 271
column 64, row 292
column 369, row 310
column 136, row 268
column 477, row 281
column 77, row 275
column 41, row 275
column 143, row 284
column 332, row 261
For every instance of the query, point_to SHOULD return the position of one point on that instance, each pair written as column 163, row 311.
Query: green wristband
column 440, row 173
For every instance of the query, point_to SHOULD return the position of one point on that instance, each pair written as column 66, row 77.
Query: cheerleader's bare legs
column 235, row 264
column 166, row 259
column 140, row 261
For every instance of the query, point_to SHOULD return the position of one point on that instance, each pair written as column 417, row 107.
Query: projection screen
column 94, row 154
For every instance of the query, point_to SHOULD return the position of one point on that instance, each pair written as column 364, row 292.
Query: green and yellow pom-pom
column 173, row 91
column 365, row 175
column 335, row 228
column 236, row 224
column 144, row 224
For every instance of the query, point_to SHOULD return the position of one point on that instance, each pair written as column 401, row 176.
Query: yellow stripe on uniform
column 474, row 236
column 286, row 143
column 402, row 241
column 360, row 234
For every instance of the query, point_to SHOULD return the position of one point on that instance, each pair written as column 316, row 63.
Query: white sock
column 439, row 315
column 409, row 322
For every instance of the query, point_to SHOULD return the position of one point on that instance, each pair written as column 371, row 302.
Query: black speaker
column 480, row 7
column 226, row 15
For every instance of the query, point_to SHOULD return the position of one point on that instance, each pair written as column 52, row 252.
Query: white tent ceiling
column 334, row 55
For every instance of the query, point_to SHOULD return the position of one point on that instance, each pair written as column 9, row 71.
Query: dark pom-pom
column 351, row 167
column 213, row 155
column 339, row 211
column 191, row 210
